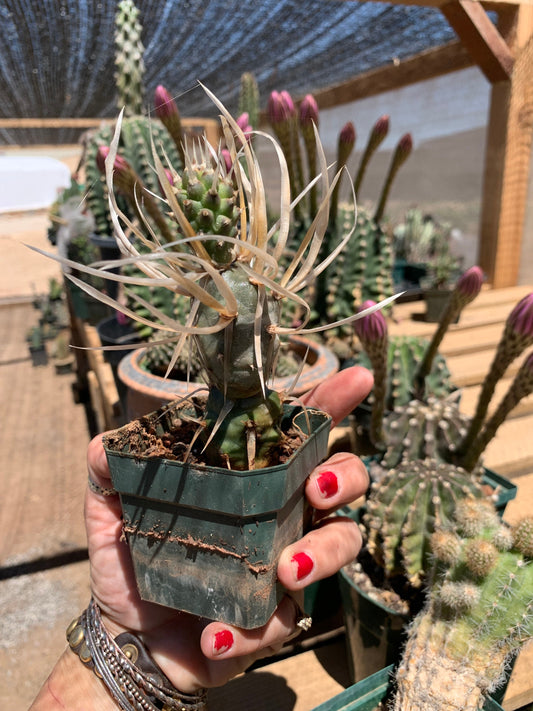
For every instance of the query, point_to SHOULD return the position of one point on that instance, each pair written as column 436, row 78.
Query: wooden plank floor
column 42, row 471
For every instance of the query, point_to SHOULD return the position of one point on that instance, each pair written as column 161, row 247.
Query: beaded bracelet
column 124, row 665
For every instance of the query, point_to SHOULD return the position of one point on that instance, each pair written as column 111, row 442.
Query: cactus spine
column 479, row 614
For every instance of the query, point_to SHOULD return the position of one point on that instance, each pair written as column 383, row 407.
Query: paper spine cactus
column 404, row 508
column 479, row 614
column 129, row 74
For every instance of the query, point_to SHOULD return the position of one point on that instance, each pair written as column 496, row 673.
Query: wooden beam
column 480, row 37
column 506, row 178
column 426, row 65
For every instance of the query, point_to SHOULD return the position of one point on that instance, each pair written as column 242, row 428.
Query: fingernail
column 304, row 565
column 223, row 641
column 328, row 484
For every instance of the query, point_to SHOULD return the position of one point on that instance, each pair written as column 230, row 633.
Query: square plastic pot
column 367, row 694
column 206, row 540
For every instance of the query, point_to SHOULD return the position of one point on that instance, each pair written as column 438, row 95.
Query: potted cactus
column 428, row 457
column 212, row 485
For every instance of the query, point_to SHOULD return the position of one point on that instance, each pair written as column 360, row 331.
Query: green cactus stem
column 465, row 291
column 405, row 507
column 345, row 145
column 400, row 155
column 521, row 387
column 479, row 614
column 308, row 116
column 377, row 136
column 249, row 99
column 129, row 75
column 516, row 337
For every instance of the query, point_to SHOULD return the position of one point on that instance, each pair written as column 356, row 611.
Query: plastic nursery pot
column 147, row 392
column 365, row 695
column 206, row 540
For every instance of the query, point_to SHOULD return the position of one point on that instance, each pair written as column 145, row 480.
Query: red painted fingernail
column 328, row 484
column 304, row 565
column 223, row 641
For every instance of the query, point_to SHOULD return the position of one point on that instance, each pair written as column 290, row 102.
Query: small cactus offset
column 129, row 75
column 405, row 507
column 478, row 616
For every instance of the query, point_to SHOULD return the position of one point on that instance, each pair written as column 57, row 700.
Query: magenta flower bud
column 288, row 103
column 371, row 328
column 520, row 319
column 120, row 166
column 405, row 146
column 347, row 135
column 381, row 127
column 308, row 110
column 469, row 284
column 277, row 112
column 164, row 104
column 244, row 124
column 101, row 155
column 226, row 156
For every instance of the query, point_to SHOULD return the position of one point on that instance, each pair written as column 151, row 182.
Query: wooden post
column 507, row 164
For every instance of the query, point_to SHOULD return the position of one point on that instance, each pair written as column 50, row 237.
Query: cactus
column 129, row 63
column 405, row 507
column 233, row 283
column 479, row 613
column 249, row 99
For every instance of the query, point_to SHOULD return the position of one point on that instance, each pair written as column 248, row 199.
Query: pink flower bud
column 347, row 134
column 405, row 146
column 164, row 104
column 308, row 110
column 276, row 108
column 381, row 127
column 120, row 166
column 371, row 328
column 520, row 319
column 101, row 155
column 244, row 124
column 227, row 159
column 288, row 103
column 469, row 284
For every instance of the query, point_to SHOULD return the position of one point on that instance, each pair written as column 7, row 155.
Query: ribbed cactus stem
column 249, row 98
column 167, row 112
column 299, row 180
column 308, row 115
column 345, row 145
column 132, row 187
column 520, row 388
column 129, row 58
column 377, row 135
column 516, row 337
column 401, row 153
column 282, row 124
column 373, row 333
column 478, row 615
column 465, row 291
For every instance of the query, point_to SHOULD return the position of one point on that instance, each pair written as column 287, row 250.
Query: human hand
column 193, row 652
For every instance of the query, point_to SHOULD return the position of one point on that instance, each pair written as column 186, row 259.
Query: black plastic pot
column 368, row 693
column 206, row 540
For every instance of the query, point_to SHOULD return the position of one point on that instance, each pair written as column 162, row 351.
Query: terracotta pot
column 147, row 392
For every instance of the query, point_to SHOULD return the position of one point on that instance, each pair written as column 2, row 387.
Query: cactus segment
column 405, row 507
column 129, row 74
column 479, row 614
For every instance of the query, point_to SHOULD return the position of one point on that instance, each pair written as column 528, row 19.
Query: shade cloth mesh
column 57, row 56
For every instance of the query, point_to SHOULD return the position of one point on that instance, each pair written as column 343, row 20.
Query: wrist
column 70, row 686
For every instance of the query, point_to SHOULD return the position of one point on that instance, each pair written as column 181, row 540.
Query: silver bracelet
column 125, row 666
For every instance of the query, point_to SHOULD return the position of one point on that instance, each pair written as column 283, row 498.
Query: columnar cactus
column 405, row 507
column 479, row 613
column 249, row 99
column 129, row 62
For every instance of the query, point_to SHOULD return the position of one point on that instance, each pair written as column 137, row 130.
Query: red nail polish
column 223, row 641
column 304, row 565
column 328, row 484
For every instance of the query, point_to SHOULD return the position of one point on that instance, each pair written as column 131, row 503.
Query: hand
column 192, row 652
